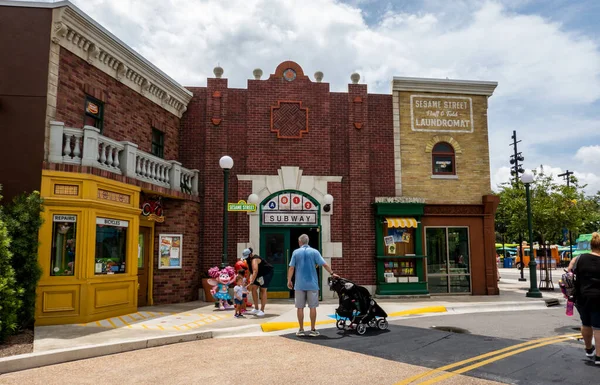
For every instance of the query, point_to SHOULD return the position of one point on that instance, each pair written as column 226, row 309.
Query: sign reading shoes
column 111, row 222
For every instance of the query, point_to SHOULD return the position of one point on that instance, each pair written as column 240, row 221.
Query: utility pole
column 567, row 175
column 516, row 171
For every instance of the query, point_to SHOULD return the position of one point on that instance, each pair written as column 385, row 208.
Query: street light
column 226, row 163
column 327, row 200
column 533, row 292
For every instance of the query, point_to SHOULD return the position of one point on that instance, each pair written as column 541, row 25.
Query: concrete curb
column 52, row 357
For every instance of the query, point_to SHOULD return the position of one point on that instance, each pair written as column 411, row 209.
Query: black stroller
column 357, row 308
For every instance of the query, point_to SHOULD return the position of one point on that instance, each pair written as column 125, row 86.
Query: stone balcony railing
column 86, row 147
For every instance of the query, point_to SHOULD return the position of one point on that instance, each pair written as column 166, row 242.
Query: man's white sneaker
column 260, row 313
column 250, row 312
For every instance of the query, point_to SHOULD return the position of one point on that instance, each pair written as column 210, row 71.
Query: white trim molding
column 78, row 33
column 291, row 178
column 448, row 86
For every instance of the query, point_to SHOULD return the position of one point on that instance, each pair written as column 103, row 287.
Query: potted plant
column 207, row 287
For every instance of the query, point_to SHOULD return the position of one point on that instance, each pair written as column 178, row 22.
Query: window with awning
column 401, row 222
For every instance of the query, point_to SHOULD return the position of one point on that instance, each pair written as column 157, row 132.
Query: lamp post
column 533, row 292
column 226, row 163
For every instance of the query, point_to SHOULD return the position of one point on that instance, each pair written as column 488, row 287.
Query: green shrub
column 10, row 294
column 23, row 221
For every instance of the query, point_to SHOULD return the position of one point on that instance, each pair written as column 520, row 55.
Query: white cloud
column 549, row 76
column 589, row 155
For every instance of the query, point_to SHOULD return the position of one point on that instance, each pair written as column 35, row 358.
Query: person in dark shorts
column 261, row 274
column 587, row 296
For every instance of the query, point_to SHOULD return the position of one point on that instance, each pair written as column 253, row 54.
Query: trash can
column 508, row 263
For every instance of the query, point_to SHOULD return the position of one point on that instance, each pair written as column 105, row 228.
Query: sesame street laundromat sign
column 290, row 209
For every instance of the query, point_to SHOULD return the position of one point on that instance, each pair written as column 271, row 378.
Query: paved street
column 503, row 347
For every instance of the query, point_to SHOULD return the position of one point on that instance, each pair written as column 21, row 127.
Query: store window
column 111, row 246
column 448, row 259
column 64, row 233
column 443, row 159
column 158, row 143
column 399, row 240
column 94, row 113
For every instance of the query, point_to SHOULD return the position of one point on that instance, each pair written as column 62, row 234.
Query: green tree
column 554, row 207
column 23, row 221
column 10, row 294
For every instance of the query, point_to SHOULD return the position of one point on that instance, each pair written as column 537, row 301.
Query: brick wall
column 128, row 116
column 472, row 165
column 179, row 285
column 332, row 146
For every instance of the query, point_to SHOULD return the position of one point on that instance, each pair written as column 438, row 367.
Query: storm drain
column 451, row 329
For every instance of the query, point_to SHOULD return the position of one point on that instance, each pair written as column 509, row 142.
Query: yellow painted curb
column 276, row 326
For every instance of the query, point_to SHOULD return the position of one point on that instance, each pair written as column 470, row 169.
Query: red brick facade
column 333, row 145
column 128, row 116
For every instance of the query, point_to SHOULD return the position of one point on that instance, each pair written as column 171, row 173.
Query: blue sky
column 545, row 55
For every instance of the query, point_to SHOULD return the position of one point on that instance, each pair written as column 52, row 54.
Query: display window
column 111, row 246
column 399, row 242
column 64, row 235
column 448, row 259
column 443, row 159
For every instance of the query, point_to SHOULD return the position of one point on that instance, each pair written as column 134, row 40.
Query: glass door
column 274, row 248
column 448, row 259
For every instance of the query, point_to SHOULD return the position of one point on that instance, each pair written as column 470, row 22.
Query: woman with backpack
column 261, row 274
column 587, row 295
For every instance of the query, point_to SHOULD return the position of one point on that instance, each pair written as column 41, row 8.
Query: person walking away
column 587, row 296
column 306, row 288
column 238, row 292
column 261, row 274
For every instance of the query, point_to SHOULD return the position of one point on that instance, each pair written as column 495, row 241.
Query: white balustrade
column 88, row 148
column 71, row 152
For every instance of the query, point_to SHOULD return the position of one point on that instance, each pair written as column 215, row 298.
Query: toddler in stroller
column 357, row 309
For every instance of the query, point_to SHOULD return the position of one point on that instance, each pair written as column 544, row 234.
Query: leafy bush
column 10, row 294
column 23, row 221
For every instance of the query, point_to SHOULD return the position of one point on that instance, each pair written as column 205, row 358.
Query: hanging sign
column 241, row 206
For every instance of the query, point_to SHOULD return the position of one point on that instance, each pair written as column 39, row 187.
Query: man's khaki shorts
column 302, row 297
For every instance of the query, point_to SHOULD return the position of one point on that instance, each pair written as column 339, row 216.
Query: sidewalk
column 167, row 324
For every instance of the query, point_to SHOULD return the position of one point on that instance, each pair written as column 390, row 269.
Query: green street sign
column 241, row 206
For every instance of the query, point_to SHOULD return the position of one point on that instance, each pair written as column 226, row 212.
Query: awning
column 401, row 222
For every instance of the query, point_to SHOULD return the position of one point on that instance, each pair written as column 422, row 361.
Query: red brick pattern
column 178, row 285
column 333, row 146
column 289, row 120
column 128, row 116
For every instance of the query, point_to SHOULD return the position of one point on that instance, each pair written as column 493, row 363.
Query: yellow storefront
column 89, row 248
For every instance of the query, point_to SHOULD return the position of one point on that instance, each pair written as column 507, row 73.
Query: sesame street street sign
column 241, row 206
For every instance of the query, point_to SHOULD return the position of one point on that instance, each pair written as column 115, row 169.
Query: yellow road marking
column 160, row 327
column 176, row 328
column 122, row 320
column 111, row 322
column 488, row 361
column 145, row 327
column 132, row 318
column 513, row 349
column 141, row 315
column 98, row 323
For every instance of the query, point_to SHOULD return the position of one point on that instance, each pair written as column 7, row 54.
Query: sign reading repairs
column 290, row 217
column 433, row 113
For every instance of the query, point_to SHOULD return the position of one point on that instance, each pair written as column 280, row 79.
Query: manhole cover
column 451, row 329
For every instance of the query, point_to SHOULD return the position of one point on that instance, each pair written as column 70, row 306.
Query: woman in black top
column 587, row 284
column 261, row 274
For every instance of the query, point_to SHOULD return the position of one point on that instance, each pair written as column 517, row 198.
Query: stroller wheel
column 373, row 323
column 361, row 329
column 382, row 324
column 340, row 324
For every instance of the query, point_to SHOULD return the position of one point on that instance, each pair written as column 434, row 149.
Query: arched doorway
column 284, row 216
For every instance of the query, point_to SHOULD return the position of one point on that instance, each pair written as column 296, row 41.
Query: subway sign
column 290, row 218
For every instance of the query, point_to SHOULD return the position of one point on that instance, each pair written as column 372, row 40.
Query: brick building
column 394, row 189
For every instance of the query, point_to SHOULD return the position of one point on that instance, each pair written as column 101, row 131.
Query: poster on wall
column 389, row 240
column 169, row 251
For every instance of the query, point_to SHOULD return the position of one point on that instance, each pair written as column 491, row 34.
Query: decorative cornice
column 75, row 31
column 446, row 86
